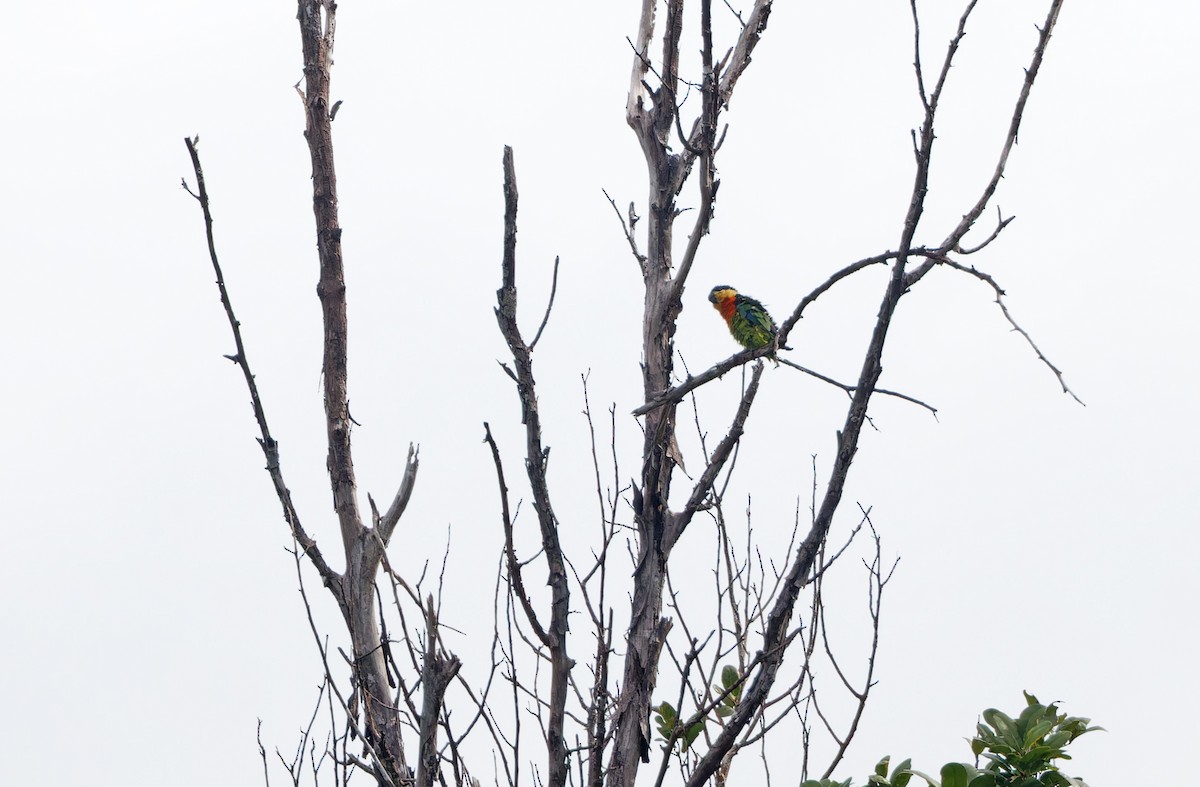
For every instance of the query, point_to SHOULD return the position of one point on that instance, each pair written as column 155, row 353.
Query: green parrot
column 747, row 319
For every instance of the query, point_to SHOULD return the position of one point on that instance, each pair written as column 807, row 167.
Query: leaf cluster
column 672, row 729
column 1021, row 752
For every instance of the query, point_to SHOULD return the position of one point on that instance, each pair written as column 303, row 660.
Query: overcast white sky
column 150, row 612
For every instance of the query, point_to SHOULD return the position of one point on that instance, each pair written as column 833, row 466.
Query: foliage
column 1021, row 752
column 675, row 730
column 672, row 729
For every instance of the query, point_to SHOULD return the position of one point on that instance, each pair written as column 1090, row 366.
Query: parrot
column 747, row 319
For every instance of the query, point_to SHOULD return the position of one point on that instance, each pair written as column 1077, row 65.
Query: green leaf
column 1037, row 732
column 731, row 686
column 729, row 676
column 955, row 774
column 932, row 782
column 881, row 767
column 1020, row 752
column 1004, row 725
column 665, row 718
column 1030, row 718
column 1056, row 740
column 1041, row 753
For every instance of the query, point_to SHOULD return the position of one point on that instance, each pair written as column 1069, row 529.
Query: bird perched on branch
column 747, row 319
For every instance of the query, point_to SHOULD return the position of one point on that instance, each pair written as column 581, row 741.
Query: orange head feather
column 724, row 300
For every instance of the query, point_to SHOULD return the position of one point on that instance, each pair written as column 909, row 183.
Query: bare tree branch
column 331, row 578
column 652, row 113
column 387, row 523
column 956, row 235
column 676, row 393
column 953, row 241
column 549, row 306
column 370, row 742
column 628, row 229
column 752, row 30
column 317, row 24
column 704, row 148
column 262, row 752
column 849, row 389
column 781, row 612
column 514, row 565
column 436, row 675
column 876, row 583
column 703, row 487
column 987, row 278
column 535, row 465
column 1001, row 223
column 317, row 20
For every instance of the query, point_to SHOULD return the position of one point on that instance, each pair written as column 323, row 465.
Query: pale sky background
column 150, row 612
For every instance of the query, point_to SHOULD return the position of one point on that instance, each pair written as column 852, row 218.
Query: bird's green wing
column 752, row 326
column 755, row 314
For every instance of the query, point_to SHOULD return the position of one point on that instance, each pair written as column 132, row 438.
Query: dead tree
column 363, row 544
column 593, row 692
column 678, row 152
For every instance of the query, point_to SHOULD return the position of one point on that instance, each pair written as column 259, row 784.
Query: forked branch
column 554, row 637
column 801, row 567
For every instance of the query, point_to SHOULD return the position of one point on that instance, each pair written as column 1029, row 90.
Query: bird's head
column 721, row 293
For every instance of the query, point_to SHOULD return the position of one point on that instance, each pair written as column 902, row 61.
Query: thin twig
column 262, row 752
column 270, row 447
column 514, row 566
column 999, row 292
column 1001, row 223
column 1031, row 72
column 850, row 389
column 704, row 485
column 876, row 584
column 549, row 306
column 387, row 522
